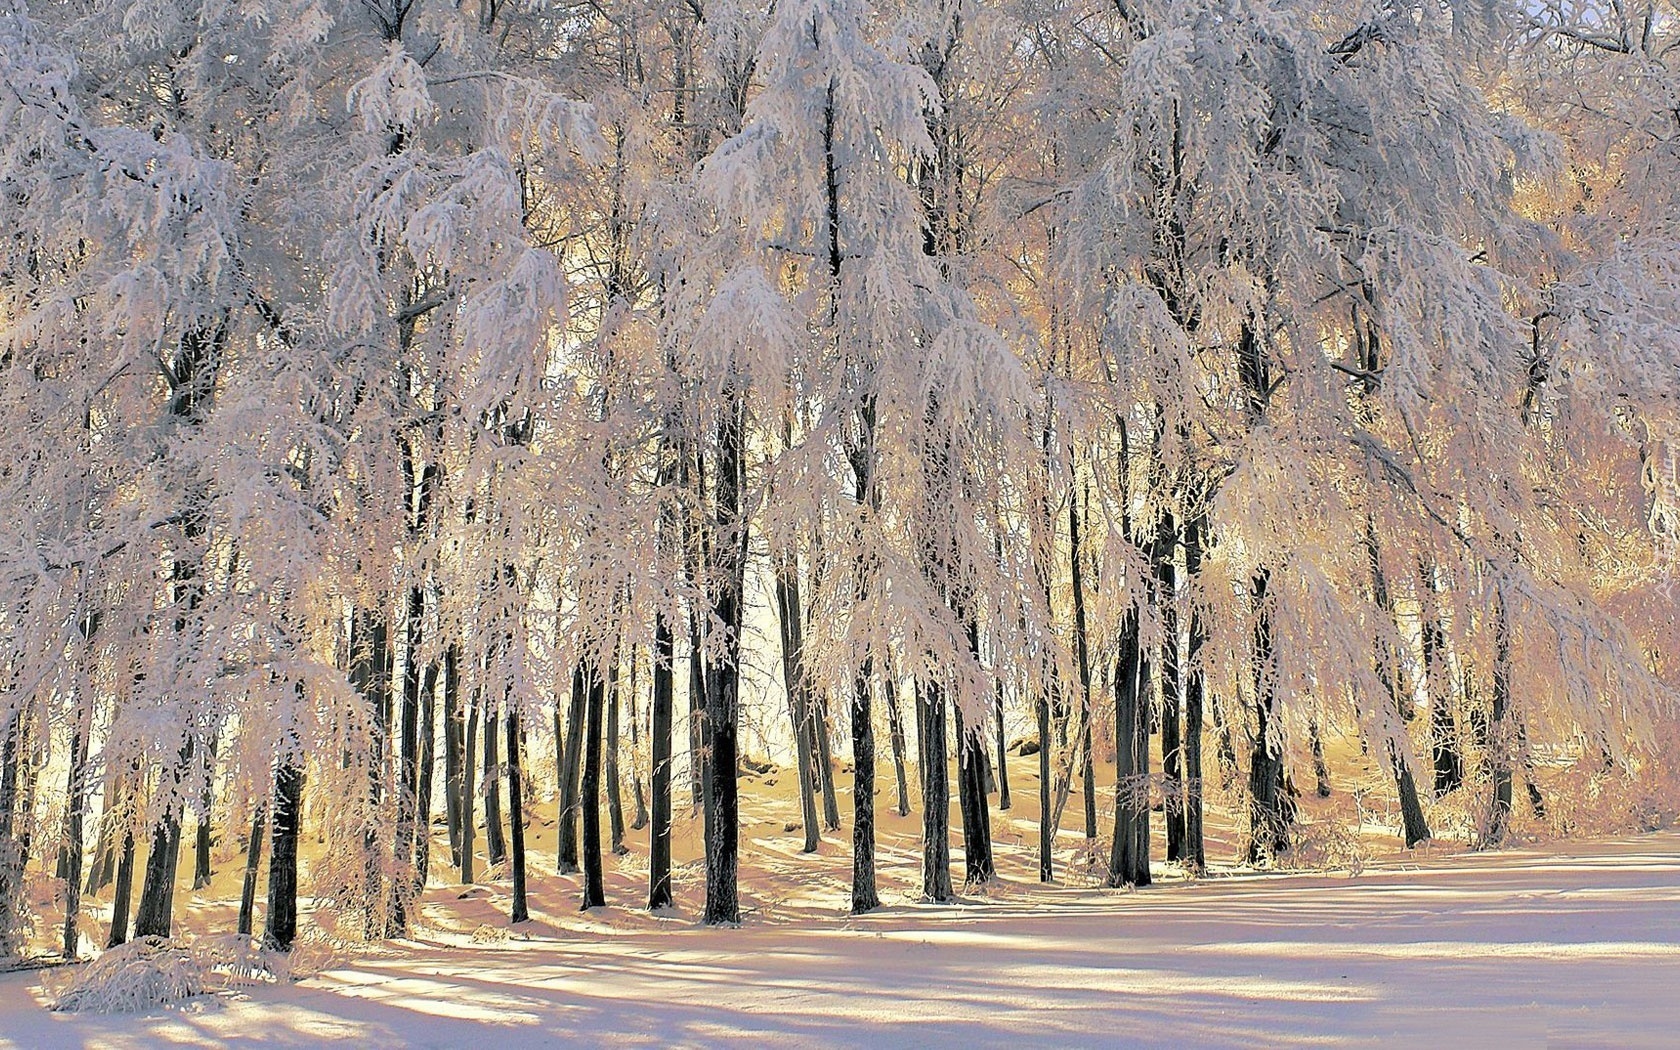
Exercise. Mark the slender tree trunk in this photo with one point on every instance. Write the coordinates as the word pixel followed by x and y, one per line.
pixel 125 888
pixel 659 851
pixel 895 727
pixel 1172 746
pixel 75 805
pixel 280 926
pixel 789 611
pixel 495 842
pixel 1321 768
pixel 979 868
pixel 428 766
pixel 723 680
pixel 1448 763
pixel 516 813
pixel 615 800
pixel 253 861
pixel 571 765
pixel 697 761
pixel 1002 746
pixel 594 895
pixel 1268 821
pixel 408 769
pixel 454 746
pixel 1046 833
pixel 1082 651
pixel 824 764
pixel 469 785
pixel 1499 730
pixel 936 794
pixel 1129 854
pixel 864 895
pixel 157 892
pixel 1414 827
pixel 1195 685
pixel 201 836
pixel 636 740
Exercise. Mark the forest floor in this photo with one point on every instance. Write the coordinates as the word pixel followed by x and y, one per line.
pixel 1561 944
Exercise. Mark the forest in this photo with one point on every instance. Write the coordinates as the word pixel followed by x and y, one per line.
pixel 437 419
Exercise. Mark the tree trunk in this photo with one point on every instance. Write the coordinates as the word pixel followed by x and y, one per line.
pixel 895 727
pixel 125 888
pixel 428 766
pixel 253 861
pixel 280 927
pixel 594 895
pixel 516 814
pixel 1414 828
pixel 936 794
pixel 971 796
pixel 615 799
pixel 636 740
pixel 824 764
pixel 1128 863
pixel 1172 746
pixel 1446 759
pixel 469 786
pixel 864 895
pixel 75 804
pixel 789 610
pixel 1268 821
pixel 1082 653
pixel 201 835
pixel 1046 833
pixel 495 842
pixel 1195 685
pixel 454 746
pixel 1499 731
pixel 723 679
pixel 659 851
pixel 1002 747
pixel 570 770
pixel 408 769
pixel 157 892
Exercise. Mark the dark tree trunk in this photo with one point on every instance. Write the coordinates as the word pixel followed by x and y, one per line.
pixel 280 927
pixel 201 836
pixel 469 787
pixel 723 678
pixel 1195 685
pixel 125 888
pixel 428 766
pixel 789 611
pixel 571 765
pixel 408 769
pixel 1046 833
pixel 1172 745
pixel 1082 652
pixel 454 746
pixel 635 715
pixel 864 895
pixel 936 794
pixel 516 814
pixel 253 862
pixel 1128 863
pixel 971 797
pixel 895 727
pixel 157 892
pixel 370 676
pixel 76 803
pixel 659 851
pixel 824 764
pixel 495 842
pixel 1443 733
pixel 1268 819
pixel 594 895
pixel 1499 731
pixel 1321 769
pixel 1002 747
pixel 615 800
pixel 697 762
pixel 1414 828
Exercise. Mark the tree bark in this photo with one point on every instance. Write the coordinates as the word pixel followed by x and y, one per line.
pixel 253 861
pixel 469 787
pixel 75 805
pixel 1002 747
pixel 594 895
pixel 936 794
pixel 516 813
pixel 570 770
pixel 789 611
pixel 978 867
pixel 1128 863
pixel 280 925
pixel 723 679
pixel 615 798
pixel 495 842
pixel 1172 745
pixel 454 746
pixel 659 851
pixel 1268 821
pixel 895 727
pixel 1195 685
pixel 428 766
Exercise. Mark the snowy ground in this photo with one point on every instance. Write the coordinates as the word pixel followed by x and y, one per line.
pixel 1574 946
